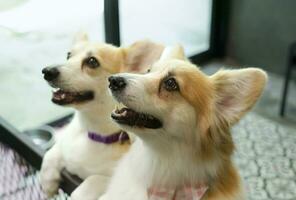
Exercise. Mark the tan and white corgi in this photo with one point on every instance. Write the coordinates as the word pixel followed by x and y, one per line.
pixel 182 118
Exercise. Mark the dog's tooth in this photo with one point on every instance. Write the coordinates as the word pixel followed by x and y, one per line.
pixel 120 105
pixel 63 96
pixel 116 113
pixel 124 113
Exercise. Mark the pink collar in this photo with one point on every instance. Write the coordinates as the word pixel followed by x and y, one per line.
pixel 188 192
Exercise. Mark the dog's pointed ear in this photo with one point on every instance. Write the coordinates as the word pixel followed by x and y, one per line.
pixel 80 37
pixel 174 52
pixel 236 92
pixel 141 55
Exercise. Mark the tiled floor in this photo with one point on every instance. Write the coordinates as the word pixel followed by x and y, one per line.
pixel 266 158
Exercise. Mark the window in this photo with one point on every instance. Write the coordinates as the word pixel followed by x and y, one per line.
pixel 35 34
pixel 168 21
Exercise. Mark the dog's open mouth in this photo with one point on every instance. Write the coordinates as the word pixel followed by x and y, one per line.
pixel 130 117
pixel 62 97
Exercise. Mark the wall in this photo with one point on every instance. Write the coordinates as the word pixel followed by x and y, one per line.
pixel 260 32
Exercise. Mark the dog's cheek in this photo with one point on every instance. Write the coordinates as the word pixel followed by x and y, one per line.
pixel 181 116
pixel 165 95
pixel 91 72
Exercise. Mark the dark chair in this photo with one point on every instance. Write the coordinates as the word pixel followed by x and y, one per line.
pixel 291 65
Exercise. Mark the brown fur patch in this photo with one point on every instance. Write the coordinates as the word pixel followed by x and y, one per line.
pixel 198 91
pixel 141 55
pixel 226 185
pixel 111 58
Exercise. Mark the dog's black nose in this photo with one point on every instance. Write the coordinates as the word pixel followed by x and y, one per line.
pixel 116 83
pixel 50 73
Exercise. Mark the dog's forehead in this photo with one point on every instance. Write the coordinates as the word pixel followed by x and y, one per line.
pixel 88 48
pixel 94 49
pixel 175 66
pixel 166 65
pixel 79 47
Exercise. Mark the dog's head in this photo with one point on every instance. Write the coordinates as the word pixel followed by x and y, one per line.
pixel 176 100
pixel 82 79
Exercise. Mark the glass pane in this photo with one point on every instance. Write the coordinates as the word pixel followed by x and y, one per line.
pixel 35 34
pixel 168 21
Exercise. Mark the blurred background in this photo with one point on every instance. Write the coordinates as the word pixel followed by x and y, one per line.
pixel 215 34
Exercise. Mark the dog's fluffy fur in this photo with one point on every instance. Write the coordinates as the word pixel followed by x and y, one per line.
pixel 73 149
pixel 194 144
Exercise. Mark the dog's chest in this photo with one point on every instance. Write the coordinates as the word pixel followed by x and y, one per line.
pixel 85 157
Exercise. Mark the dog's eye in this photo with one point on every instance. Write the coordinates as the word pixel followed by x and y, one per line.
pixel 171 84
pixel 69 55
pixel 148 70
pixel 92 62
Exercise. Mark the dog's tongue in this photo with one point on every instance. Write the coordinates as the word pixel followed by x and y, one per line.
pixel 63 97
pixel 132 118
pixel 60 94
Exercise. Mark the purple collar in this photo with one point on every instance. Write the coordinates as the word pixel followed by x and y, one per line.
pixel 120 136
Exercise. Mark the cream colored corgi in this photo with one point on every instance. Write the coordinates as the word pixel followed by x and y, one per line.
pixel 91 144
pixel 182 118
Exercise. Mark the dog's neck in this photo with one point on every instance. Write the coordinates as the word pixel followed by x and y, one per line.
pixel 171 161
pixel 96 119
pixel 173 169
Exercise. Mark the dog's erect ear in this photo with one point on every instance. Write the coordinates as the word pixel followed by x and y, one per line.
pixel 174 52
pixel 237 91
pixel 111 58
pixel 80 37
pixel 141 55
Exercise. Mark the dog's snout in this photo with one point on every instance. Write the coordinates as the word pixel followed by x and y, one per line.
pixel 50 73
pixel 116 83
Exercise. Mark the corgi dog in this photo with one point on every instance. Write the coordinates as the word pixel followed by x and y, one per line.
pixel 183 119
pixel 90 145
